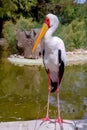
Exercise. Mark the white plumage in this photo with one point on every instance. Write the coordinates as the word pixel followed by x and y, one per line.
pixel 54 57
pixel 51 45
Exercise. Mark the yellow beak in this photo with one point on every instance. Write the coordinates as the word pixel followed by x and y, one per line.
pixel 41 35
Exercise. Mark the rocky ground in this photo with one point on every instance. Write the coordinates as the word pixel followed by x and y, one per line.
pixel 77 57
pixel 73 58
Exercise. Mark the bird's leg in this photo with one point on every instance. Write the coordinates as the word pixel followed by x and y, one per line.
pixel 59 120
pixel 49 90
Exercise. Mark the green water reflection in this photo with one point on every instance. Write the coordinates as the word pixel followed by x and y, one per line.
pixel 23 93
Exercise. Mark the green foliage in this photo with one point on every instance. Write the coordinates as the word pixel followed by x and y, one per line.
pixel 61 1
pixel 17 8
pixel 9 30
pixel 7 8
pixel 74 35
pixel 24 7
pixel 69 14
pixel 27 4
pixel 24 24
pixel 72 16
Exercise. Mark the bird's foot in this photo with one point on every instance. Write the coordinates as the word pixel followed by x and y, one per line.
pixel 59 120
pixel 44 120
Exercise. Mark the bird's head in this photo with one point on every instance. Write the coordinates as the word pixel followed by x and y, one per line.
pixel 50 21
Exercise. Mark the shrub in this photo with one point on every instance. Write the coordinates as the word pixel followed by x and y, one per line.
pixel 24 24
pixel 9 35
pixel 74 35
pixel 9 31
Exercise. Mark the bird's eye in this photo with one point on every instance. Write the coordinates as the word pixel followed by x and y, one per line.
pixel 47 21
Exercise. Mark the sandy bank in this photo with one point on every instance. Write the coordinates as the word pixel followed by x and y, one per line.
pixel 73 58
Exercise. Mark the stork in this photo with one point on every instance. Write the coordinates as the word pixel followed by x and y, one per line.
pixel 54 57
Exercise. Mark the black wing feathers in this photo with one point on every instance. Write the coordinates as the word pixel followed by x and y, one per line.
pixel 54 86
pixel 61 66
pixel 61 71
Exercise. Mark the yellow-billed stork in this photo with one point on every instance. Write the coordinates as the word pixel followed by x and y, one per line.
pixel 54 57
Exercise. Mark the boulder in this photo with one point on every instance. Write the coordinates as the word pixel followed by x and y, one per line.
pixel 25 41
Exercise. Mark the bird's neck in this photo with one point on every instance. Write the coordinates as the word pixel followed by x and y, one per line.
pixel 50 31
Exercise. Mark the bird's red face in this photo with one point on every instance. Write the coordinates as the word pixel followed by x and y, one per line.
pixel 44 29
pixel 47 21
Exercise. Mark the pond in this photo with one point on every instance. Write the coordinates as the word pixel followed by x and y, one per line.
pixel 23 93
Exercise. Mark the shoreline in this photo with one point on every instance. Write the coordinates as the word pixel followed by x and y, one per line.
pixel 72 58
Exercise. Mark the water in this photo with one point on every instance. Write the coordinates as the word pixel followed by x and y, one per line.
pixel 23 93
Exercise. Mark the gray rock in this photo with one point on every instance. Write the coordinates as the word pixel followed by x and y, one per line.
pixel 25 41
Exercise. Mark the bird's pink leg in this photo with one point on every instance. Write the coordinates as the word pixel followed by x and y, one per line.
pixel 49 89
pixel 59 120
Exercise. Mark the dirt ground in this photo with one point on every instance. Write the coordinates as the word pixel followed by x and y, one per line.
pixel 72 58
pixel 76 57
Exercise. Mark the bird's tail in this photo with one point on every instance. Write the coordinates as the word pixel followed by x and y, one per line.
pixel 54 86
